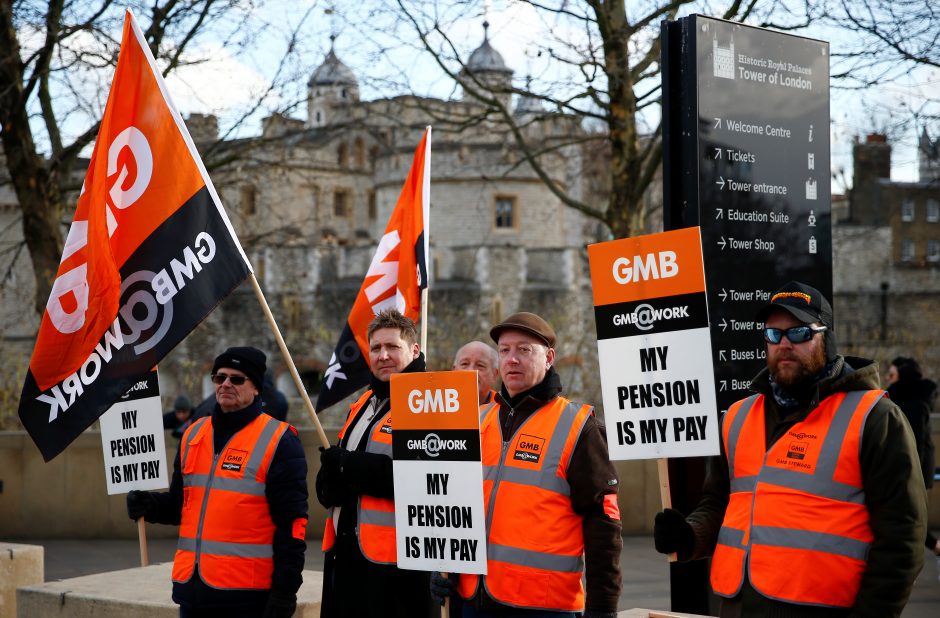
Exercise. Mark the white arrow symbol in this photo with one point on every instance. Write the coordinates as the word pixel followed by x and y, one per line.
pixel 719 212
pixel 721 355
pixel 717 153
pixel 717 123
pixel 723 295
pixel 724 386
pixel 724 325
pixel 722 243
pixel 720 181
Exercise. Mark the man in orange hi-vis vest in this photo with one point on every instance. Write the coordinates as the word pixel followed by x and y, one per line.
pixel 479 357
pixel 239 496
pixel 816 506
pixel 361 578
pixel 541 449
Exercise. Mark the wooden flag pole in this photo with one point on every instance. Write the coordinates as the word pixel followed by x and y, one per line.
pixel 424 322
pixel 662 464
pixel 290 362
pixel 142 539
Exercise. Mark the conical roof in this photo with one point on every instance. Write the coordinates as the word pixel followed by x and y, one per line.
pixel 485 58
pixel 332 73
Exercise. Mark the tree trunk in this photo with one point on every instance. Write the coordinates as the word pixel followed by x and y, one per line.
pixel 37 189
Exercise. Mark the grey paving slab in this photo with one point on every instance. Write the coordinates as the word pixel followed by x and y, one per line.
pixel 645 572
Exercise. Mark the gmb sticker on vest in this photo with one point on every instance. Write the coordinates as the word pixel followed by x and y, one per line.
pixel 801 452
pixel 529 448
pixel 386 425
pixel 233 459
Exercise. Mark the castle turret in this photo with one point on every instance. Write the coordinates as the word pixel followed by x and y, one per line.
pixel 332 86
pixel 487 67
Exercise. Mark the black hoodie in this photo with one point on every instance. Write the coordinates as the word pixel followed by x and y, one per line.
pixel 916 399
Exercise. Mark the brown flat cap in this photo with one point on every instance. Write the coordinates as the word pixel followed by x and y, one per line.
pixel 527 323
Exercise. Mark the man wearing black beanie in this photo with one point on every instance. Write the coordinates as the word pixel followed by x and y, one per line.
pixel 241 505
pixel 816 507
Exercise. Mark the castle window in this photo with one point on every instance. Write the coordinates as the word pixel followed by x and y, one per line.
pixel 933 251
pixel 933 211
pixel 373 208
pixel 907 250
pixel 342 93
pixel 247 200
pixel 505 212
pixel 359 153
pixel 907 210
pixel 373 157
pixel 319 117
pixel 342 155
pixel 341 203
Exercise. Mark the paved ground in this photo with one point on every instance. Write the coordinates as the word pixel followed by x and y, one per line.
pixel 645 573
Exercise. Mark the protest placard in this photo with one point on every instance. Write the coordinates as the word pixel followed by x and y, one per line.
pixel 654 346
pixel 439 516
pixel 132 439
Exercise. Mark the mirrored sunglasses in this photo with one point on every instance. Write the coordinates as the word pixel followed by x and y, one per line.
pixel 796 334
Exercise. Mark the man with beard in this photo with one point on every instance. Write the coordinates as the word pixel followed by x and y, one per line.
pixel 816 507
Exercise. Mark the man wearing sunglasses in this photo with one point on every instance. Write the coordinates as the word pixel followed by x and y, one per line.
pixel 816 507
pixel 239 495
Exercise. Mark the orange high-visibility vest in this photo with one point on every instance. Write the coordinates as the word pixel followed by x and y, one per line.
pixel 376 515
pixel 226 527
pixel 533 561
pixel 797 510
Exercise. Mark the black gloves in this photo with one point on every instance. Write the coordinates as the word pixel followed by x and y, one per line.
pixel 330 486
pixel 141 504
pixel 280 604
pixel 345 474
pixel 672 533
pixel 441 587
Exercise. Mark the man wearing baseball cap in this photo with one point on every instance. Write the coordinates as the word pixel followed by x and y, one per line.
pixel 816 506
pixel 239 495
pixel 554 516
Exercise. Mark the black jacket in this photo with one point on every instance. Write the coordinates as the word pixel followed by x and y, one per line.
pixel 286 492
pixel 916 399
pixel 591 476
pixel 894 495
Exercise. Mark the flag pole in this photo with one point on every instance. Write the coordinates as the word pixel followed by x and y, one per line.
pixel 290 362
pixel 424 322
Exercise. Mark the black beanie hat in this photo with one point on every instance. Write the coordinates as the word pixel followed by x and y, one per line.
pixel 248 360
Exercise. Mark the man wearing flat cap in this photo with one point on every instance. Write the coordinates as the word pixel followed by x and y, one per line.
pixel 816 506
pixel 239 495
pixel 549 488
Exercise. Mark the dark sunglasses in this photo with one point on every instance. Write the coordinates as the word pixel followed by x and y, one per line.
pixel 220 378
pixel 796 334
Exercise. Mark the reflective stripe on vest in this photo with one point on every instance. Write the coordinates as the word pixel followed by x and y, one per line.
pixel 798 509
pixel 376 516
pixel 224 499
pixel 532 562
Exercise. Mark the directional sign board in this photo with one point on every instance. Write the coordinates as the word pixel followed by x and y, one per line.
pixel 746 114
pixel 653 346
pixel 439 517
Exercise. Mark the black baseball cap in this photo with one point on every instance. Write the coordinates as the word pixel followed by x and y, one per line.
pixel 804 302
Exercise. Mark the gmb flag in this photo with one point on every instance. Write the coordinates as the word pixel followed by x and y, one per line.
pixel 149 254
pixel 397 274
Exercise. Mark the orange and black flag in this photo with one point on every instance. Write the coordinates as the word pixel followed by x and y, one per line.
pixel 149 254
pixel 395 278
